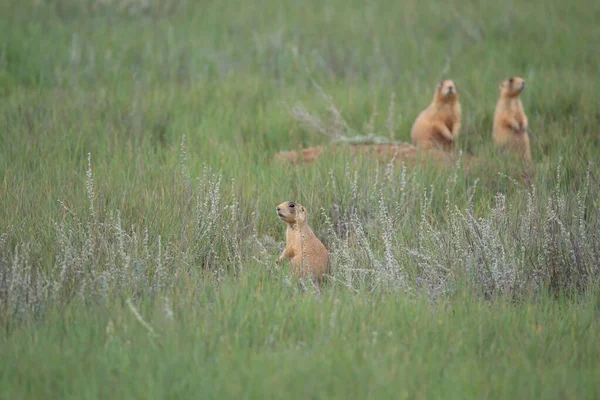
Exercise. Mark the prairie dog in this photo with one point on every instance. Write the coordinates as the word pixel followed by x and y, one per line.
pixel 510 121
pixel 438 126
pixel 307 254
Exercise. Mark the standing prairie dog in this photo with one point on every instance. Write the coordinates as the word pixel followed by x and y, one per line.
pixel 510 121
pixel 438 126
pixel 305 251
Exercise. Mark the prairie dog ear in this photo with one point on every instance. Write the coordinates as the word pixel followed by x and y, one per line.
pixel 302 209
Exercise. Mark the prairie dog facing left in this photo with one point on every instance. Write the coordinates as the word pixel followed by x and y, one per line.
pixel 307 254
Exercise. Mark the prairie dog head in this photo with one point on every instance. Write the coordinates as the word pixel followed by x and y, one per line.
pixel 512 87
pixel 446 91
pixel 291 212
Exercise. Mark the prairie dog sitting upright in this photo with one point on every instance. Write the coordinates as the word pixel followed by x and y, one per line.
pixel 438 126
pixel 510 121
pixel 307 254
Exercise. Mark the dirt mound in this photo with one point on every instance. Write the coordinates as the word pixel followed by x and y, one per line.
pixel 384 152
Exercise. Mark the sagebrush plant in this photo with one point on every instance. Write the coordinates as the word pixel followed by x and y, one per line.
pixel 550 243
pixel 97 257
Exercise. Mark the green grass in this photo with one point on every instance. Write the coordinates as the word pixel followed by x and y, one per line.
pixel 453 284
pixel 253 339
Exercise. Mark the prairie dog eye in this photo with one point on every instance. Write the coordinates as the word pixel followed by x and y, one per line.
pixel 511 80
pixel 292 205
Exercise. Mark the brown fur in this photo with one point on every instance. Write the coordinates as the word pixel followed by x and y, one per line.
pixel 510 121
pixel 306 252
pixel 438 126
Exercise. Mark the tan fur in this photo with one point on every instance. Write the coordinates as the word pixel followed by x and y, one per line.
pixel 510 121
pixel 438 126
pixel 306 252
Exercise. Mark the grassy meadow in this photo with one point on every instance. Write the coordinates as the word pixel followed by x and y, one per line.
pixel 138 233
